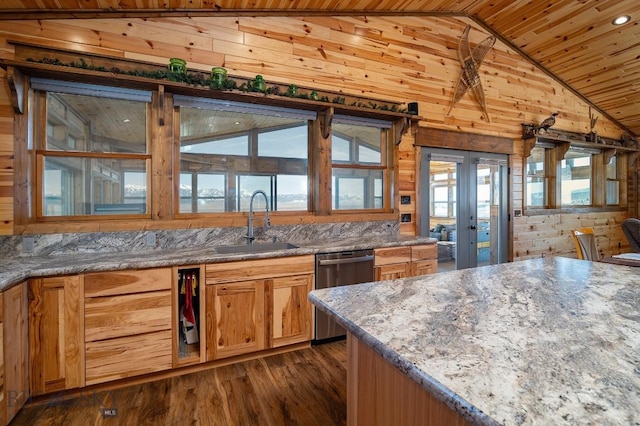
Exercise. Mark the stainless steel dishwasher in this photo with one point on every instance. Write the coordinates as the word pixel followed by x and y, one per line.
pixel 338 269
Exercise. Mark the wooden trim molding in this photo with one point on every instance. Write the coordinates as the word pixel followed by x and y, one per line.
pixel 438 138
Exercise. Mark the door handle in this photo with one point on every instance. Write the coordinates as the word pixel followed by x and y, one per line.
pixel 472 227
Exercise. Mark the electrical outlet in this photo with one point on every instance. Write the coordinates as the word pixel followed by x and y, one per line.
pixel 151 239
pixel 28 244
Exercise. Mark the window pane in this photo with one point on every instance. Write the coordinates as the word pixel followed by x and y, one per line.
pixel 234 145
pixel 576 179
pixel 613 191
pixel 247 185
pixel 536 178
pixel 441 193
pixel 239 149
pixel 612 169
pixel 86 186
pixel 368 155
pixel 356 144
pixel 292 192
pixel 340 149
pixel 135 187
pixel 95 124
pixel 209 190
pixel 289 142
pixel 356 189
pixel 535 191
pixel 186 192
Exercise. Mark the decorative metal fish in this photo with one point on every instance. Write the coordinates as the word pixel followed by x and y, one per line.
pixel 470 61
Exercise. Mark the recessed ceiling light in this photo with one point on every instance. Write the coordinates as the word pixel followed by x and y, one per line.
pixel 621 20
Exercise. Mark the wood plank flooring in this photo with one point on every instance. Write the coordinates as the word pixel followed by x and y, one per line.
pixel 305 387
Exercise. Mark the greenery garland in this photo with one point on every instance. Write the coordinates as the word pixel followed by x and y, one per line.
pixel 199 79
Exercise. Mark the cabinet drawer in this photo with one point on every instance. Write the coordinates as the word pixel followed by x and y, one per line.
pixel 226 272
pixel 424 267
pixel 125 315
pixel 392 271
pixel 386 256
pixel 114 359
pixel 123 282
pixel 424 252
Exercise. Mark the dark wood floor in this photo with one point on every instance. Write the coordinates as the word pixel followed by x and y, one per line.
pixel 305 387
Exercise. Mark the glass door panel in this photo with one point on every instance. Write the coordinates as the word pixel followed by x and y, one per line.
pixel 489 197
pixel 443 193
pixel 466 207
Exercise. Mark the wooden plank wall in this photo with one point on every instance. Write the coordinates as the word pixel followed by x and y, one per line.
pixel 400 58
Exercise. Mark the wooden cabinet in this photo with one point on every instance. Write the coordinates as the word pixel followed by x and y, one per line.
pixel 189 339
pixel 401 262
pixel 56 334
pixel 127 323
pixel 424 259
pixel 289 311
pixel 235 318
pixel 257 304
pixel 392 263
pixel 14 359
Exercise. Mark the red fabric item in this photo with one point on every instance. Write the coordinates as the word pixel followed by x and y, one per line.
pixel 187 309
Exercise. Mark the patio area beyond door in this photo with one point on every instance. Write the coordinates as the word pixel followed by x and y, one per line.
pixel 464 205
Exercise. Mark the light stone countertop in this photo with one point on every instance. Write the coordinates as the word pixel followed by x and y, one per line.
pixel 553 341
pixel 14 270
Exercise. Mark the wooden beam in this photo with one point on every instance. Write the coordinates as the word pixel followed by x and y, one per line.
pixel 465 141
pixel 16 81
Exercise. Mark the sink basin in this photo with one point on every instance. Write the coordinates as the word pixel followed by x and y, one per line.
pixel 254 248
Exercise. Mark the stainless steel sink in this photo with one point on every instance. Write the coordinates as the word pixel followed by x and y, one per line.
pixel 254 248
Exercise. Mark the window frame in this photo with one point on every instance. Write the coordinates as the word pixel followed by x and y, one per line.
pixel 353 165
pixel 555 152
pixel 41 152
pixel 161 168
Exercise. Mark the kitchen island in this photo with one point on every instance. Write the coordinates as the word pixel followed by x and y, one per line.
pixel 544 341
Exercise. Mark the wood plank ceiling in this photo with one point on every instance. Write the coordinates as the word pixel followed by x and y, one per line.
pixel 573 40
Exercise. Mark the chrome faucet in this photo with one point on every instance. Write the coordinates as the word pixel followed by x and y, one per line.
pixel 249 235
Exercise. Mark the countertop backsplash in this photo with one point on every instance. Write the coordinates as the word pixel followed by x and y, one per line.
pixel 115 242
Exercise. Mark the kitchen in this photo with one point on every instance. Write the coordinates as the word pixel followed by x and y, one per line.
pixel 310 57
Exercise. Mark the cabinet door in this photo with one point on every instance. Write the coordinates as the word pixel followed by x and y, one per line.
pixel 288 310
pixel 235 318
pixel 424 267
pixel 16 356
pixel 56 334
pixel 392 271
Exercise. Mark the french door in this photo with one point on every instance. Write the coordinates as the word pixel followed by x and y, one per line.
pixel 464 205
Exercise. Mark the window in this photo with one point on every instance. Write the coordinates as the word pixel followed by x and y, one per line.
pixel 98 148
pixel 575 178
pixel 93 150
pixel 614 182
pixel 536 177
pixel 575 175
pixel 229 150
pixel 443 191
pixel 358 163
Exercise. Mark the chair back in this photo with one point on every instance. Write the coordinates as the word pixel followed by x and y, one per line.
pixel 631 229
pixel 585 243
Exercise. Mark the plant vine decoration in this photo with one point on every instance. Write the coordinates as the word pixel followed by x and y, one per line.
pixel 201 79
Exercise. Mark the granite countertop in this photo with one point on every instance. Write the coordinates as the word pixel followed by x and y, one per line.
pixel 551 341
pixel 17 269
